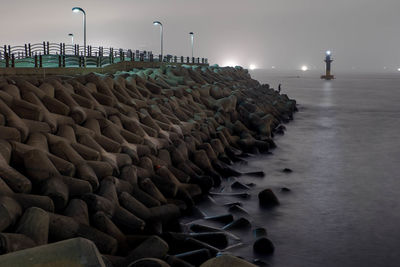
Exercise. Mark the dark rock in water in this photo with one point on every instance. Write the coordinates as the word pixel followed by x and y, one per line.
pixel 239 185
pixel 250 184
pixel 241 195
pixel 259 262
pixel 287 170
pixel 149 262
pixel 227 260
pixel 239 223
pixel 176 262
pixel 205 182
pixel 225 218
pixel 195 257
pixel 237 208
pixel 280 129
pixel 259 232
pixel 199 228
pixel 238 203
pixel 256 174
pixel 285 189
pixel 268 198
pixel 263 246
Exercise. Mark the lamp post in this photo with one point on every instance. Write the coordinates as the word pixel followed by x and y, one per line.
pixel 72 38
pixel 191 40
pixel 77 10
pixel 161 35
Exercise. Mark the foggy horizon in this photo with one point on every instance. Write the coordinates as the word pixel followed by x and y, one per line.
pixel 362 34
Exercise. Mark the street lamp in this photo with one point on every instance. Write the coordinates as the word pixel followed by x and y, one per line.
pixel 77 10
pixel 72 38
pixel 161 34
pixel 191 40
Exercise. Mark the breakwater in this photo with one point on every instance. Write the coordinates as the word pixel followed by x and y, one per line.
pixel 118 158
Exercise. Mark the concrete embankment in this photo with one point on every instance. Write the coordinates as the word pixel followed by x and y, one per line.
pixel 117 159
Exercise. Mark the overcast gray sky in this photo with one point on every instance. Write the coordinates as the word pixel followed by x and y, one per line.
pixel 362 34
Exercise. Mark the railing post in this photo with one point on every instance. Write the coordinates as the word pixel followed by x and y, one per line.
pixel 182 59
pixel 159 58
pixel 6 56
pixel 30 51
pixel 44 48
pixel 12 60
pixel 187 60
pixel 48 48
pixel 26 50
pixel 63 61
pixel 36 61
pixel 59 61
pixel 40 61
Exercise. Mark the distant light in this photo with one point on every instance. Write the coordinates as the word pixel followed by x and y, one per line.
pixel 398 69
pixel 230 63
pixel 252 67
pixel 304 68
pixel 328 53
pixel 273 67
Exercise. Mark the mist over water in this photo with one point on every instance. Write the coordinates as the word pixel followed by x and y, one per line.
pixel 344 149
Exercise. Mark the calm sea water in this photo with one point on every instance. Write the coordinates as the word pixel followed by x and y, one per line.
pixel 344 149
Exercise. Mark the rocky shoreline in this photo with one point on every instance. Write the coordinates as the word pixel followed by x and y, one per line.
pixel 117 159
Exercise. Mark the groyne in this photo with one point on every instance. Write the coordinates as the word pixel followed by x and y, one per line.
pixel 117 158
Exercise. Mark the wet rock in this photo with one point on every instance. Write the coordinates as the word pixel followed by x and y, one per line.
pixel 263 246
pixel 285 190
pixel 267 198
pixel 238 224
pixel 239 185
pixel 260 232
pixel 227 261
pixel 225 218
pixel 287 170
pixel 149 262
pixel 195 257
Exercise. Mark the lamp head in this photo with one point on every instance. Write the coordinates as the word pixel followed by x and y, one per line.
pixel 157 23
pixel 77 10
pixel 70 34
pixel 328 53
pixel 191 33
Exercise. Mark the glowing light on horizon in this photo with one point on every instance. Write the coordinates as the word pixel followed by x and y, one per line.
pixel 398 69
pixel 304 68
pixel 252 67
pixel 230 63
pixel 273 67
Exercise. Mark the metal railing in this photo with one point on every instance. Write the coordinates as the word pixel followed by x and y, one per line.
pixel 61 55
